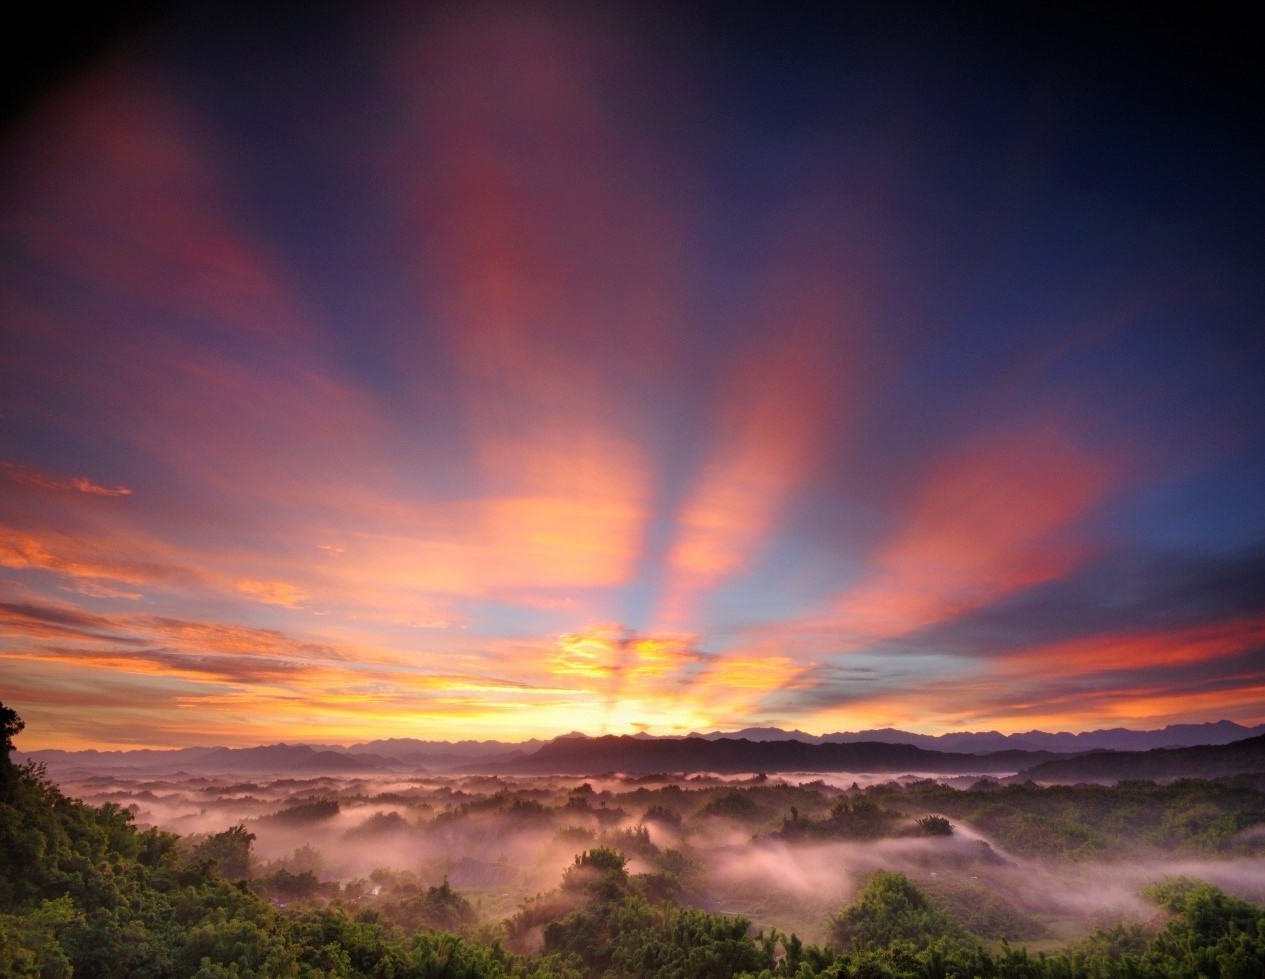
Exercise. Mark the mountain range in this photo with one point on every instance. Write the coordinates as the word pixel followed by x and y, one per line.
pixel 595 756
pixel 1198 761
pixel 975 742
pixel 751 749
pixel 574 755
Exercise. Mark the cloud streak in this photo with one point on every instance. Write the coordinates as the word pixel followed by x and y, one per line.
pixel 29 477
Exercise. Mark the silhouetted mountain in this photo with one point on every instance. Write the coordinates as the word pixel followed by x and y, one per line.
pixel 591 756
pixel 1201 761
pixel 411 748
pixel 279 759
pixel 411 754
pixel 395 755
pixel 137 759
pixel 1116 739
pixel 766 734
pixel 1123 739
pixel 287 758
pixel 414 753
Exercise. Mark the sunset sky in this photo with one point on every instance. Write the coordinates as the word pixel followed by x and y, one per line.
pixel 496 371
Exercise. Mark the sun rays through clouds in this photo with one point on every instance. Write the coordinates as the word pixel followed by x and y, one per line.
pixel 502 372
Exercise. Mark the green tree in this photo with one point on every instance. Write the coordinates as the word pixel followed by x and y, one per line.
pixel 10 727
pixel 890 908
pixel 229 851
pixel 935 826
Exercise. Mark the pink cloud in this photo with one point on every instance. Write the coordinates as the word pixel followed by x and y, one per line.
pixel 30 477
pixel 985 520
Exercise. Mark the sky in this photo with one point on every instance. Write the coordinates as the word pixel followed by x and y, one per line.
pixel 503 370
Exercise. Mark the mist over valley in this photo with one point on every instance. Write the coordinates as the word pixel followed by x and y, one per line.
pixel 786 850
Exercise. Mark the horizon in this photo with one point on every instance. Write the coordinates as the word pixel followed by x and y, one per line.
pixel 246 745
pixel 477 372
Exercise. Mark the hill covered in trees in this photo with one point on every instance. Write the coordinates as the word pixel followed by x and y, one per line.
pixel 1198 761
pixel 85 892
pixel 981 742
pixel 582 755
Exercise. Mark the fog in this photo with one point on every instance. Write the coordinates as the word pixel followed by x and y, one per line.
pixel 722 841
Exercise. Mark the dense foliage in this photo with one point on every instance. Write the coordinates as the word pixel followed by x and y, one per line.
pixel 85 893
pixel 857 817
pixel 1208 816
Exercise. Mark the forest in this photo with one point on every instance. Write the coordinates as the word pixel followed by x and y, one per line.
pixel 627 876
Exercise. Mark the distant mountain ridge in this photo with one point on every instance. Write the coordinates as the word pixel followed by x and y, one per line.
pixel 630 754
pixel 407 747
pixel 270 758
pixel 404 756
pixel 963 751
pixel 1196 761
pixel 971 742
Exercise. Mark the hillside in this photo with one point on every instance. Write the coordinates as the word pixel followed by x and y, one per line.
pixel 1202 761
pixel 589 756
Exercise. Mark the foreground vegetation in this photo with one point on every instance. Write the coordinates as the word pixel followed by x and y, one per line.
pixel 84 892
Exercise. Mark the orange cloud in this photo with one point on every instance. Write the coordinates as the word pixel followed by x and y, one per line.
pixel 1121 704
pixel 1147 678
pixel 36 622
pixel 770 415
pixel 1104 653
pixel 274 593
pixel 94 589
pixel 75 558
pixel 579 518
pixel 25 475
pixel 733 686
pixel 227 638
pixel 587 655
pixel 318 702
pixel 639 662
pixel 576 528
pixel 663 682
pixel 530 277
pixel 768 418
pixel 32 621
pixel 621 680
pixel 1246 701
pixel 985 521
pixel 271 679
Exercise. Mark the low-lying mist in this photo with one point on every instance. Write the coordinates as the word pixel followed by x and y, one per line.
pixel 1019 862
